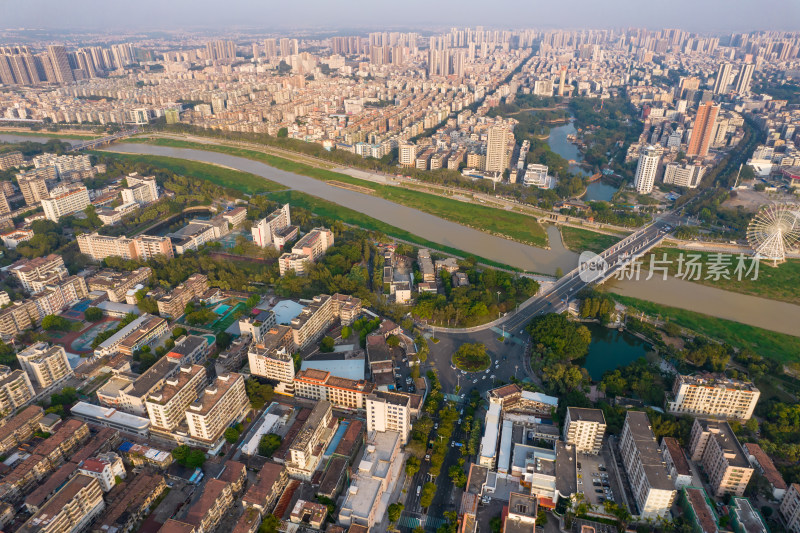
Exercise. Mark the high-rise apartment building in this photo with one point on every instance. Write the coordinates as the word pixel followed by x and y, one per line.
pixel 714 445
pixel 15 390
pixel 33 186
pixel 272 363
pixel 498 154
pixel 713 395
pixel 45 365
pixel 652 487
pixel 389 411
pixel 646 170
pixel 744 78
pixel 141 189
pixel 585 428
pixel 60 61
pixel 307 250
pixel 267 229
pixel 723 78
pixel 407 155
pixel 36 274
pixel 313 321
pixel 166 408
pixel 221 404
pixel 703 130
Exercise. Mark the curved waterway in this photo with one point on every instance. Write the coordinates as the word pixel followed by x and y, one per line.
pixel 775 316
pixel 412 220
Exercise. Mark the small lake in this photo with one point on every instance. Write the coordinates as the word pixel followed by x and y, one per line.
pixel 599 192
pixel 559 143
pixel 611 349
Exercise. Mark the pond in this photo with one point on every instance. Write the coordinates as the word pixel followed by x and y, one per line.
pixel 612 349
pixel 598 191
pixel 558 143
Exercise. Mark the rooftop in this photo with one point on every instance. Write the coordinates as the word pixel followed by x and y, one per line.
pixel 260 490
pixel 676 453
pixel 211 491
pixel 214 393
pixel 723 434
pixel 702 510
pixel 586 415
pixel 649 455
pixel 767 466
pixel 56 504
pixel 136 423
pixel 566 469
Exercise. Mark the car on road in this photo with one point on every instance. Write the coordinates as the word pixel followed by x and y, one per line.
pixel 483 376
pixel 419 489
pixel 462 397
pixel 427 457
pixel 492 376
pixel 474 381
pixel 436 425
pixel 487 370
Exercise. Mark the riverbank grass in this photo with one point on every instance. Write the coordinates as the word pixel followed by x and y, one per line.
pixel 774 283
pixel 580 240
pixel 776 346
pixel 218 175
pixel 514 225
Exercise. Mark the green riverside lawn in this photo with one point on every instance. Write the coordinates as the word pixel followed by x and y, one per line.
pixel 579 240
pixel 777 346
pixel 774 283
pixel 514 225
pixel 218 175
pixel 53 134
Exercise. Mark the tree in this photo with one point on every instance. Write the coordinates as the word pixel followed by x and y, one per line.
pixel 93 314
pixel 428 492
pixel 346 332
pixel 223 340
pixel 412 466
pixel 472 357
pixel 268 444
pixel 270 524
pixel 327 344
pixel 394 512
pixel 393 341
pixel 496 524
pixel 231 435
pixel 283 132
pixel 555 335
pixel 53 322
pixel 258 393
pixel 189 457
pixel 178 332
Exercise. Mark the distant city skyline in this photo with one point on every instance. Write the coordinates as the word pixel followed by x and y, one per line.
pixel 692 15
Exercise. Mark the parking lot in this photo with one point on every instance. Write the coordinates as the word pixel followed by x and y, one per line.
pixel 596 478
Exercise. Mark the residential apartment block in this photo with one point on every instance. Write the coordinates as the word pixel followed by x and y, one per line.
pixel 585 429
pixel 117 284
pixel 36 274
pixel 221 404
pixel 19 428
pixel 173 304
pixel 307 250
pixel 653 489
pixel 142 247
pixel 15 390
pixel 676 463
pixel 65 200
pixel 790 508
pixel 714 396
pixel 347 308
pixel 342 392
pixel 141 189
pixel 389 411
pixel 272 230
pixel 313 321
pixel 264 493
pixel 714 445
pixel 129 392
pixel 141 331
pixel 305 453
pixel 166 407
pixel 72 508
pixel 46 365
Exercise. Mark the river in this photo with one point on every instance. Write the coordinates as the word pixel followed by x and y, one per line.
pixel 14 138
pixel 759 312
pixel 417 222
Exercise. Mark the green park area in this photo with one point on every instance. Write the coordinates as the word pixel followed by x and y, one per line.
pixel 579 240
pixel 774 283
pixel 515 225
pixel 776 346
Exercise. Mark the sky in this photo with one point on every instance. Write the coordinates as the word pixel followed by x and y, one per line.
pixel 713 16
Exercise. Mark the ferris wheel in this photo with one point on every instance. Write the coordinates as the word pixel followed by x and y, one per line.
pixel 774 230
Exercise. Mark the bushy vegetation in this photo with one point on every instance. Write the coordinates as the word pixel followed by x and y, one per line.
pixel 268 444
pixel 472 357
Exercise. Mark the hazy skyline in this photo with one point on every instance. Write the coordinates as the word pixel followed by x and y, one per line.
pixel 692 15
